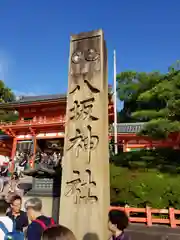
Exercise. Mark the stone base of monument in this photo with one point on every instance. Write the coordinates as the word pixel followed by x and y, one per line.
pixel 46 185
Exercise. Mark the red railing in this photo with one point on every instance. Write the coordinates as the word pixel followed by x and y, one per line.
pixel 170 215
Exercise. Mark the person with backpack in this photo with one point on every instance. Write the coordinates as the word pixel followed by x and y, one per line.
pixel 39 222
pixel 7 227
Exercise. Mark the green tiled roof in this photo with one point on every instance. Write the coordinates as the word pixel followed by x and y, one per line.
pixel 26 99
pixel 129 127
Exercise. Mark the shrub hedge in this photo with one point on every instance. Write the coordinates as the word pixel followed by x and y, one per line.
pixel 146 178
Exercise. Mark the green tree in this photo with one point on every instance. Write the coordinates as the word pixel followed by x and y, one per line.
pixel 6 96
pixel 130 85
pixel 165 119
pixel 153 98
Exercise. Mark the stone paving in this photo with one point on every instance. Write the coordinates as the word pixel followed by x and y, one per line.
pixel 141 232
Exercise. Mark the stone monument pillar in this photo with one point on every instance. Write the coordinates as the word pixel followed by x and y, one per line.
pixel 85 193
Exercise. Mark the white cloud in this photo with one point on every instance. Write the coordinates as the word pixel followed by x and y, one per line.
pixel 20 94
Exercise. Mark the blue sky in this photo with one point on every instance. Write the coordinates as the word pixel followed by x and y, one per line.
pixel 34 40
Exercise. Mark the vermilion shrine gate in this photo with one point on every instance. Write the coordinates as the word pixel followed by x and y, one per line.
pixel 43 117
pixel 40 117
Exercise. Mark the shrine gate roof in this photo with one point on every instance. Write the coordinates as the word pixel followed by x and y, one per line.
pixel 27 99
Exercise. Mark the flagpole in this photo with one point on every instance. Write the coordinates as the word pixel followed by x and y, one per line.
pixel 115 107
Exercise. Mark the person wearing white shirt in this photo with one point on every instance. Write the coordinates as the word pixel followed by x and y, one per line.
pixel 8 223
pixel 6 160
pixel 1 160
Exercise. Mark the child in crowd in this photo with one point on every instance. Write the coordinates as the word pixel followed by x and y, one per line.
pixel 118 222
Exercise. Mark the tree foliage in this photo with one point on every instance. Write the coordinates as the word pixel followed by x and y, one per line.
pixel 6 96
pixel 153 98
pixel 130 86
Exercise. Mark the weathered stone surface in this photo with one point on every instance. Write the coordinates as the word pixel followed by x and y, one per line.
pixel 85 194
pixel 46 185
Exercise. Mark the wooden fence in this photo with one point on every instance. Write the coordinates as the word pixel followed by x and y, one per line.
pixel 152 216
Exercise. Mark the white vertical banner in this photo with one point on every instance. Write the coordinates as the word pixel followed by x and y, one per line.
pixel 115 107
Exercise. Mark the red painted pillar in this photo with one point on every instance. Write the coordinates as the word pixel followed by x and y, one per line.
pixel 148 216
pixel 124 146
pixel 172 218
pixel 13 154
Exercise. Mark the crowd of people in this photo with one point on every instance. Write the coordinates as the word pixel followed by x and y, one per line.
pixel 23 158
pixel 52 159
pixel 22 161
pixel 31 224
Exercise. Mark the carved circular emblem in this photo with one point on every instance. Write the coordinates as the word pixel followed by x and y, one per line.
pixel 91 55
pixel 77 57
